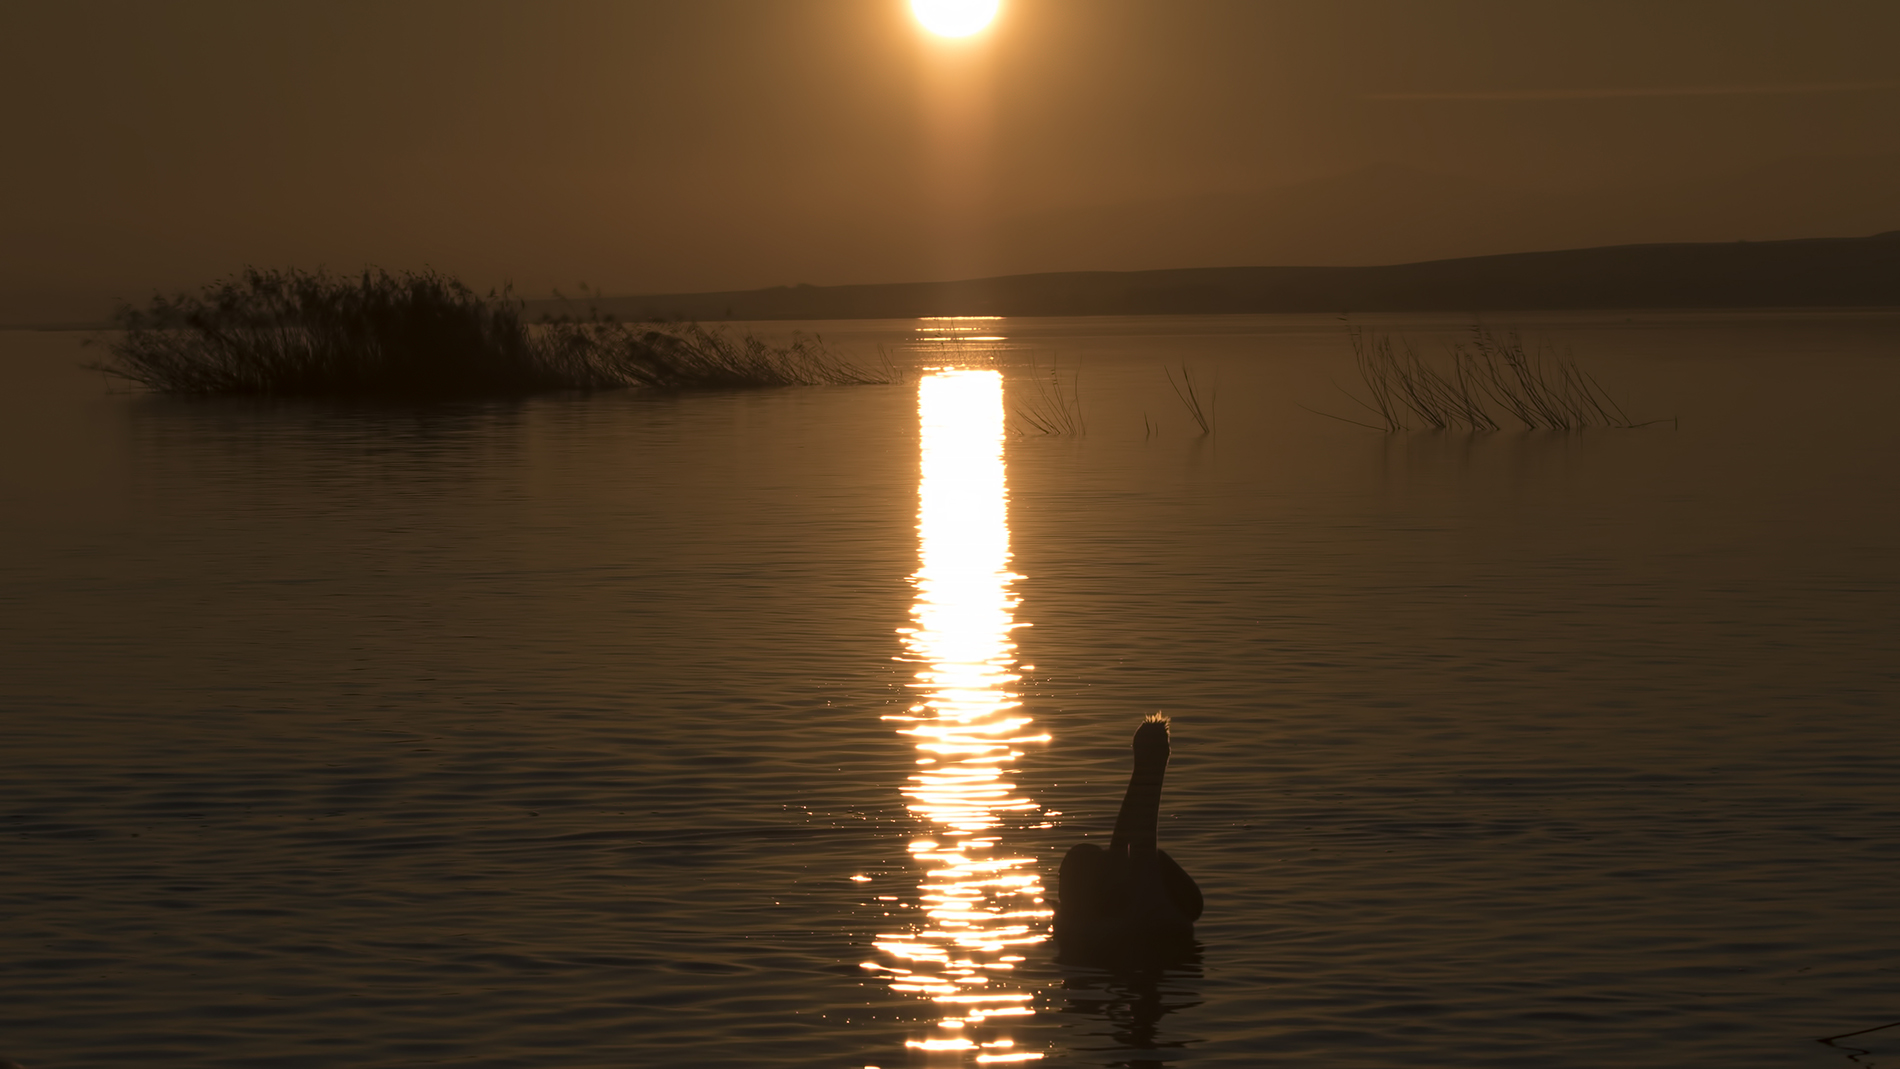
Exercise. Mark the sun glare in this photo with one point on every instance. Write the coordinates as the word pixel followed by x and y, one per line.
pixel 954 18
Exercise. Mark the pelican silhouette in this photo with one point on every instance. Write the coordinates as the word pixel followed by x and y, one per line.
pixel 1131 894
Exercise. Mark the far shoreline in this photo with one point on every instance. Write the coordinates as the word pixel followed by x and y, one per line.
pixel 1462 317
pixel 1807 273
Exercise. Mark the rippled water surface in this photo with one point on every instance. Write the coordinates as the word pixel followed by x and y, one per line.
pixel 748 729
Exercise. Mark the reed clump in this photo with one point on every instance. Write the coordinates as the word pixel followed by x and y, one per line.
pixel 1485 381
pixel 425 334
pixel 1049 406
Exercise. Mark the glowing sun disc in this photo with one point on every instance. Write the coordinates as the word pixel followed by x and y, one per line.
pixel 954 18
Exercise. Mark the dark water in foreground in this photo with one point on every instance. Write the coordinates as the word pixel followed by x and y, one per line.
pixel 584 732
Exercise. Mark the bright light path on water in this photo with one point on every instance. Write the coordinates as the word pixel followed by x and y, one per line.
pixel 979 904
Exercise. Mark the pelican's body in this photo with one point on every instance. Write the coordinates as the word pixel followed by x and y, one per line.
pixel 1131 893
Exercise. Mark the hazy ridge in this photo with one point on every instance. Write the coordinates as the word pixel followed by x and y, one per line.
pixel 1392 214
pixel 1811 272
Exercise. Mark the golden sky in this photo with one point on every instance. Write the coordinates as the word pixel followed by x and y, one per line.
pixel 679 146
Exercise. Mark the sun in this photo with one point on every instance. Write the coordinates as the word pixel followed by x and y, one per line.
pixel 954 18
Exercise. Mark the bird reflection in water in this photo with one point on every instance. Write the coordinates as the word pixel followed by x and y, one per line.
pixel 1131 1001
pixel 980 902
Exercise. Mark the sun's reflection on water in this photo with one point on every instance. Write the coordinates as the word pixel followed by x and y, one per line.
pixel 981 903
pixel 960 334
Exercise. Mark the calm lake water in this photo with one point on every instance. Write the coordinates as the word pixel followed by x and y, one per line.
pixel 748 729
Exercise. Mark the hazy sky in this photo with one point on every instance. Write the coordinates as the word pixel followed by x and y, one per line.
pixel 700 144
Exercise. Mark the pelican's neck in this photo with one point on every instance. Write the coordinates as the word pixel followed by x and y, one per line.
pixel 1135 827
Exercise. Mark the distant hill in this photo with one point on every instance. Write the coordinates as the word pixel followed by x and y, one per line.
pixel 1812 272
pixel 1389 214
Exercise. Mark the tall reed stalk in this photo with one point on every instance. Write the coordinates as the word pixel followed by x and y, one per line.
pixel 1202 414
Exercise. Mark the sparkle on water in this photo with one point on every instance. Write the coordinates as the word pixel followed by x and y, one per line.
pixel 981 903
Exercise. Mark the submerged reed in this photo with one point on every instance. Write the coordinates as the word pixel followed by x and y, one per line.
pixel 1484 378
pixel 425 334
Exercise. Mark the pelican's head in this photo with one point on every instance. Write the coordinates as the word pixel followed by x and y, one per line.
pixel 1151 740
